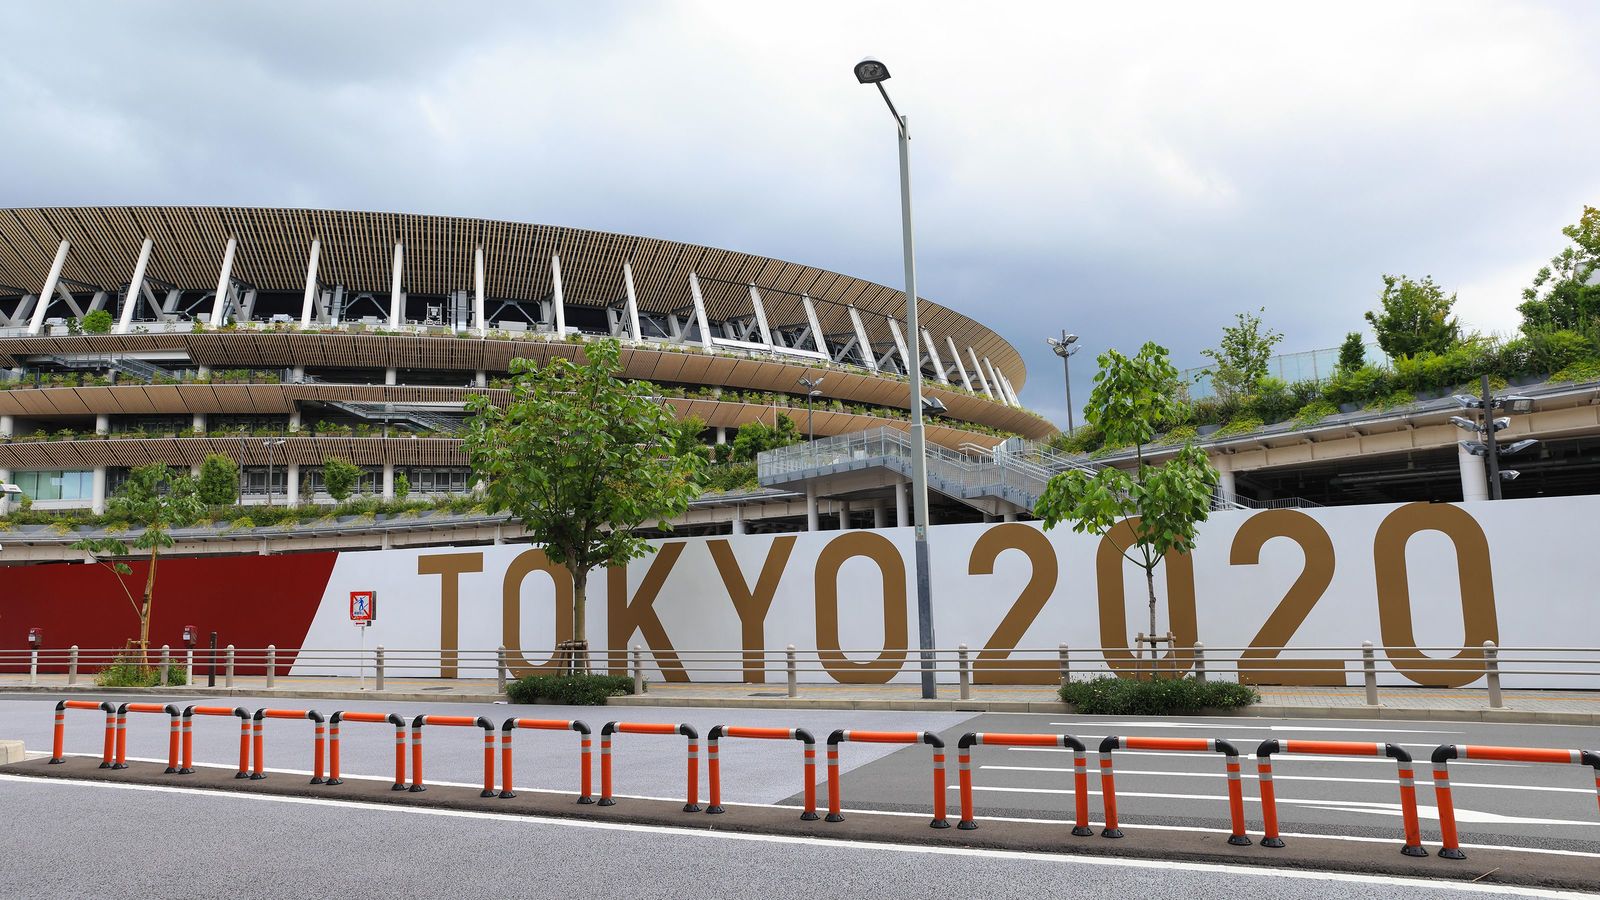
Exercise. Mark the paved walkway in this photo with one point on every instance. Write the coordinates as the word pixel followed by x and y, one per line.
pixel 1464 704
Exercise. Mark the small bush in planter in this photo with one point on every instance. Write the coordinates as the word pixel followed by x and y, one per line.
pixel 1112 696
pixel 569 690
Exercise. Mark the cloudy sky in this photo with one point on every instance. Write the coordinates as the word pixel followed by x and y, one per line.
pixel 1126 171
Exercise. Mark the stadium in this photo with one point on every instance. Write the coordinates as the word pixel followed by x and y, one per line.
pixel 284 337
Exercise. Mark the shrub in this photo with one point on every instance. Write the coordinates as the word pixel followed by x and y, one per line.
pixel 402 486
pixel 1552 351
pixel 1359 386
pixel 1109 695
pixel 569 690
pixel 1314 412
pixel 339 476
pixel 1241 425
pixel 127 670
pixel 1585 370
pixel 219 480
pixel 1271 401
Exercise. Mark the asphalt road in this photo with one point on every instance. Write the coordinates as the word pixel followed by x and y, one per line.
pixel 152 842
pixel 282 846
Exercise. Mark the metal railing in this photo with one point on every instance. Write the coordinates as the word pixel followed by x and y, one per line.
pixel 1369 666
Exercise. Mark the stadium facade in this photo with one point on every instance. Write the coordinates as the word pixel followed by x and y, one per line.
pixel 284 337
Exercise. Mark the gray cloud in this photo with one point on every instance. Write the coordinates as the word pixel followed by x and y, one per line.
pixel 1127 174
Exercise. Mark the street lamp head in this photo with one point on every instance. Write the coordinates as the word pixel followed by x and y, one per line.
pixel 933 406
pixel 1468 401
pixel 870 71
pixel 1517 405
pixel 1517 446
pixel 1461 422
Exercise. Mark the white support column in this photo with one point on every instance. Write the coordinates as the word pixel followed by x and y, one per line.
pixel 390 375
pixel 721 435
pixel 738 520
pixel 8 426
pixel 811 508
pixel 560 302
pixel 98 501
pixel 220 306
pixel 198 426
pixel 1009 517
pixel 844 515
pixel 397 302
pixel 1011 392
pixel 477 292
pixel 861 340
pixel 900 344
pixel 5 499
pixel 294 419
pixel 977 368
pixel 49 290
pixel 1474 476
pixel 388 481
pixel 308 305
pixel 994 379
pixel 1225 484
pixel 633 302
pixel 135 287
pixel 902 504
pixel 821 342
pixel 102 424
pixel 961 368
pixel 480 378
pixel 761 315
pixel 291 483
pixel 700 311
pixel 933 356
pixel 880 515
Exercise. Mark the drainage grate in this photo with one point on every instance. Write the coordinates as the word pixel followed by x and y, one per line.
pixel 770 694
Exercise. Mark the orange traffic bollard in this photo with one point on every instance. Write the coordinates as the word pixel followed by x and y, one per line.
pixel 260 739
pixel 1269 796
pixel 1451 845
pixel 464 721
pixel 244 736
pixel 376 719
pixel 887 737
pixel 692 801
pixel 1080 771
pixel 58 746
pixel 714 763
pixel 169 710
pixel 1108 787
pixel 545 725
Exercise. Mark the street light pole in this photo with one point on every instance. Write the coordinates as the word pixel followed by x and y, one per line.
pixel 1492 453
pixel 268 445
pixel 810 384
pixel 1064 348
pixel 871 71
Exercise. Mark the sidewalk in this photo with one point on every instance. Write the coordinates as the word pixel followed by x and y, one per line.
pixel 1460 705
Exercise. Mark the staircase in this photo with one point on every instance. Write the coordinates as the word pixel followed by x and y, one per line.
pixel 424 417
pixel 136 368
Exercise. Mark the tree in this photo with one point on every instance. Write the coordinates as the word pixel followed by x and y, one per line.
pixel 1352 353
pixel 1242 357
pixel 1414 317
pixel 98 321
pixel 756 437
pixel 158 500
pixel 1160 506
pixel 339 476
pixel 583 459
pixel 219 480
pixel 402 486
pixel 1571 288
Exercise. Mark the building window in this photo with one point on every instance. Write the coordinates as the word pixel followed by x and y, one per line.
pixel 56 485
pixel 436 479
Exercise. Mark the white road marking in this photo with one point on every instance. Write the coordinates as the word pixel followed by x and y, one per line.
pixel 1108 862
pixel 1423 811
pixel 1278 776
pixel 1365 760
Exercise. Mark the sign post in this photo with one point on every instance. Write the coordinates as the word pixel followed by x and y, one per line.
pixel 363 612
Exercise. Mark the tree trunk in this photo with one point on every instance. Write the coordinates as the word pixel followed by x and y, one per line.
pixel 144 612
pixel 580 596
pixel 1150 584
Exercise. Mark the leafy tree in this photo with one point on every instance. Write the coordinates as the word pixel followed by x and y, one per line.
pixel 340 476
pixel 1352 353
pixel 583 459
pixel 686 438
pixel 1414 317
pixel 1161 505
pixel 156 499
pixel 402 486
pixel 219 480
pixel 1566 293
pixel 96 322
pixel 756 437
pixel 1240 361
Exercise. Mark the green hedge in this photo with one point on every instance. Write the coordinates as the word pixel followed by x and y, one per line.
pixel 569 690
pixel 126 672
pixel 1112 696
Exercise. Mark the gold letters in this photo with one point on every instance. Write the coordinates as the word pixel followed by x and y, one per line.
pixel 993 665
pixel 450 567
pixel 526 563
pixel 1113 611
pixel 882 551
pixel 752 603
pixel 623 616
pixel 1394 593
pixel 1260 664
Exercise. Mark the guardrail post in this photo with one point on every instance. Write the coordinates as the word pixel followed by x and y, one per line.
pixel 500 671
pixel 1491 668
pixel 72 665
pixel 228 668
pixel 377 682
pixel 1369 672
pixel 638 670
pixel 272 664
pixel 1199 661
pixel 794 675
pixel 188 666
pixel 966 672
pixel 166 660
pixel 33 666
pixel 1066 665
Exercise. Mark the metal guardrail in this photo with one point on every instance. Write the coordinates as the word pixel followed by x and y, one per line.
pixel 1369 666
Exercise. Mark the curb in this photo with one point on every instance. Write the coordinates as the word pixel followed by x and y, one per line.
pixel 1490 716
pixel 12 751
